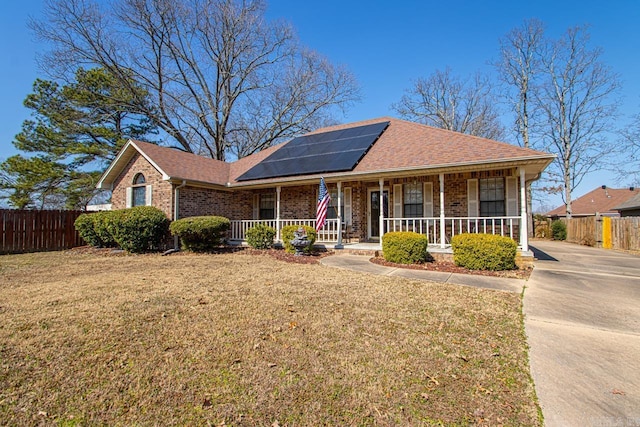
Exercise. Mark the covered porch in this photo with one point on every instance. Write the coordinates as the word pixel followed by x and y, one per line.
pixel 438 206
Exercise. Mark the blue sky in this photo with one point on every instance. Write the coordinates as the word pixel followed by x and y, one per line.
pixel 385 44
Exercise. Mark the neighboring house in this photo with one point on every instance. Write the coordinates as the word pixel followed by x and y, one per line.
pixel 383 175
pixel 601 201
pixel 631 207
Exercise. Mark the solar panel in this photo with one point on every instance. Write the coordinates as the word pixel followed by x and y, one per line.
pixel 334 151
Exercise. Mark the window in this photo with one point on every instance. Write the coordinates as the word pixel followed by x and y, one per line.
pixel 332 210
pixel 267 206
pixel 139 192
pixel 413 201
pixel 492 199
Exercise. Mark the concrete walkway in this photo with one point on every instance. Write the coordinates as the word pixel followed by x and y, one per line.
pixel 361 263
pixel 582 319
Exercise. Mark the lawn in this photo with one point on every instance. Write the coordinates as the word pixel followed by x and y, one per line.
pixel 238 339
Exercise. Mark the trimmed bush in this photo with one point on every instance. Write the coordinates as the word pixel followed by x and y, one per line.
pixel 405 247
pixel 201 233
pixel 84 225
pixel 559 230
pixel 105 224
pixel 287 237
pixel 261 236
pixel 484 252
pixel 138 229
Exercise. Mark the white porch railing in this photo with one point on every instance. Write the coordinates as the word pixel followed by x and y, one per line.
pixel 329 232
pixel 501 225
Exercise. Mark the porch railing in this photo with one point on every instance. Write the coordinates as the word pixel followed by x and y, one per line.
pixel 501 225
pixel 329 232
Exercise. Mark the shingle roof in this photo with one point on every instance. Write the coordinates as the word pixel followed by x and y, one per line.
pixel 632 203
pixel 601 200
pixel 402 146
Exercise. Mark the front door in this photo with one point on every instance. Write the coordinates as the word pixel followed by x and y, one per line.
pixel 374 211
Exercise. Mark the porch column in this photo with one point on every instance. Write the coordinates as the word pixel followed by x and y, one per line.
pixel 524 238
pixel 381 202
pixel 278 188
pixel 339 244
pixel 443 228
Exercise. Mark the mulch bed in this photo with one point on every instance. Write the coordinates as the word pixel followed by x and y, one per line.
pixel 449 267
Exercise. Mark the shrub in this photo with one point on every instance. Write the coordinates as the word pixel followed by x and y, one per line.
pixel 405 247
pixel 484 252
pixel 84 225
pixel 105 224
pixel 559 230
pixel 261 236
pixel 138 229
pixel 201 233
pixel 287 237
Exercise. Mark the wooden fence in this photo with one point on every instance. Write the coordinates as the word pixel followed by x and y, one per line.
pixel 35 231
pixel 615 233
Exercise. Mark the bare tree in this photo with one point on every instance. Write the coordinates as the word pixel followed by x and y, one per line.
pixel 449 102
pixel 223 79
pixel 577 101
pixel 518 68
pixel 630 146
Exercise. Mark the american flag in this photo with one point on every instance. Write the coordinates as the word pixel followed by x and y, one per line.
pixel 323 204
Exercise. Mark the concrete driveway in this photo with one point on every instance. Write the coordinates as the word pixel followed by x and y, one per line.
pixel 582 319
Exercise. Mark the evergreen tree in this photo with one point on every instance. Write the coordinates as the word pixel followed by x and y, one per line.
pixel 76 130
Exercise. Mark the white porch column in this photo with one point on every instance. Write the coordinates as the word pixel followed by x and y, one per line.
pixel 381 203
pixel 339 244
pixel 443 228
pixel 278 189
pixel 524 238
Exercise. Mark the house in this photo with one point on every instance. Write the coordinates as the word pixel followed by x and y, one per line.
pixel 600 201
pixel 631 207
pixel 383 175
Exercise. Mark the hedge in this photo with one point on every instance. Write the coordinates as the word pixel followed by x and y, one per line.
pixel 559 230
pixel 201 233
pixel 260 236
pixel 287 236
pixel 138 229
pixel 484 252
pixel 405 247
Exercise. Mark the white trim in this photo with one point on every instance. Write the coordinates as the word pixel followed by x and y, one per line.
pixel 472 198
pixel 427 199
pixel 511 196
pixel 397 200
pixel 347 206
pixel 128 197
pixel 148 195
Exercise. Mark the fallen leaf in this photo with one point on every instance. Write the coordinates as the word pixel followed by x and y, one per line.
pixel 620 392
pixel 272 365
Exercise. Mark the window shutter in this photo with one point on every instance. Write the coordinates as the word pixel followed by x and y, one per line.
pixel 347 205
pixel 147 198
pixel 472 197
pixel 397 200
pixel 512 196
pixel 256 206
pixel 427 198
pixel 129 197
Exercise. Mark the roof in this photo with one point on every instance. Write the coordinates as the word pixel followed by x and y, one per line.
pixel 600 200
pixel 632 203
pixel 403 147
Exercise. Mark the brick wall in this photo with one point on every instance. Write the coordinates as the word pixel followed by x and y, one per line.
pixel 194 201
pixel 161 190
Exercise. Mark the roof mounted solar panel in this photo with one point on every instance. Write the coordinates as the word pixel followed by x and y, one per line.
pixel 333 151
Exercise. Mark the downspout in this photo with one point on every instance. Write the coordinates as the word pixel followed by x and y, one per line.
pixel 176 242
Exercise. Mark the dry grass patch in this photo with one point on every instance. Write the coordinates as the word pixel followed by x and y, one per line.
pixel 241 339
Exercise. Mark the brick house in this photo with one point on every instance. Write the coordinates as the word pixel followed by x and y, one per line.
pixel 400 176
pixel 603 201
